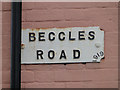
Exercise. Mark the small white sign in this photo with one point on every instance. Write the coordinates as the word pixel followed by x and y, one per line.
pixel 62 45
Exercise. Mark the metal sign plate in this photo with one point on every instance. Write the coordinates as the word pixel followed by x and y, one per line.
pixel 62 45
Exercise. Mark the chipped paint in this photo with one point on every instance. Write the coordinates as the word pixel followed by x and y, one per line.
pixel 34 43
pixel 37 29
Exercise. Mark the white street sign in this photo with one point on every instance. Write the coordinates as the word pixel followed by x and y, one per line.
pixel 62 45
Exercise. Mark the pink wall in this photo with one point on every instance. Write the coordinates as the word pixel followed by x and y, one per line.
pixel 6 31
pixel 45 15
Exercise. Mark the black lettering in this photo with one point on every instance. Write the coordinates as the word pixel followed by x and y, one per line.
pixel 70 36
pixel 62 54
pixel 101 53
pixel 39 54
pixel 61 34
pixel 95 57
pixel 76 54
pixel 81 35
pixel 51 38
pixel 32 37
pixel 91 37
pixel 51 54
pixel 41 36
pixel 98 54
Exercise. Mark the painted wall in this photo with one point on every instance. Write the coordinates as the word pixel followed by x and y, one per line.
pixel 6 31
pixel 45 15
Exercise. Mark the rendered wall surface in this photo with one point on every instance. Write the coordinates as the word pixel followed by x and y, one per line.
pixel 49 15
pixel 6 35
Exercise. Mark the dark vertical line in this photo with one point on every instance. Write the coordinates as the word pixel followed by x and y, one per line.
pixel 118 44
pixel 16 45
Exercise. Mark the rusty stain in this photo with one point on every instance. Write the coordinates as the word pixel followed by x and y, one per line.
pixel 63 27
pixel 23 29
pixel 45 28
pixel 22 46
pixel 101 29
pixel 37 29
pixel 32 29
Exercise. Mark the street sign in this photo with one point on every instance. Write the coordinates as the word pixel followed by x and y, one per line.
pixel 62 45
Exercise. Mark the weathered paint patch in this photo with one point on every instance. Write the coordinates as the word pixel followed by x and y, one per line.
pixel 62 45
